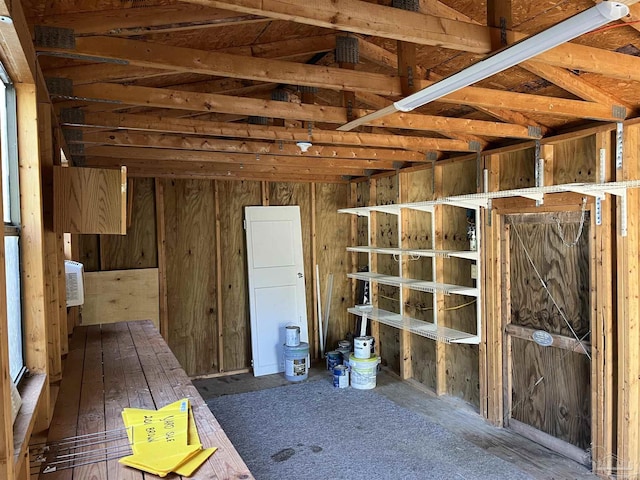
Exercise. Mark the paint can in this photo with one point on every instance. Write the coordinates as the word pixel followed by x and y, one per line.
pixel 296 362
pixel 345 352
pixel 292 338
pixel 333 358
pixel 340 376
pixel 363 372
pixel 344 344
pixel 363 347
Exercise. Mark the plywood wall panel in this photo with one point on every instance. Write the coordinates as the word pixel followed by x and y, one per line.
pixel 286 194
pixel 387 192
pixel 552 391
pixel 462 367
pixel 191 275
pixel 419 234
pixel 89 248
pixel 138 248
pixel 575 160
pixel 564 269
pixel 236 333
pixel 333 233
pixel 517 169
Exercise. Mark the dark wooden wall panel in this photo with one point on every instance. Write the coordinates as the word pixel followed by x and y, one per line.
pixel 138 248
pixel 552 392
pixel 191 275
pixel 388 297
pixel 564 269
pixel 236 331
pixel 333 235
pixel 89 248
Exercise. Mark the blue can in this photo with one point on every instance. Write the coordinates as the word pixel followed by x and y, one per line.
pixel 340 376
pixel 333 358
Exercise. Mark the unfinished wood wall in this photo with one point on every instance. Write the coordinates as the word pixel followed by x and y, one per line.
pixel 207 305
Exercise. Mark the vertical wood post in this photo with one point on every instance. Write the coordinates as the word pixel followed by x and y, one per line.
pixel 492 384
pixel 314 276
pixel 219 303
pixel 602 336
pixel 162 259
pixel 628 252
pixel 406 365
pixel 32 240
pixel 440 350
pixel 373 264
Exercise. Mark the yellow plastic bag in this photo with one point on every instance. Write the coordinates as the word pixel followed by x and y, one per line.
pixel 164 440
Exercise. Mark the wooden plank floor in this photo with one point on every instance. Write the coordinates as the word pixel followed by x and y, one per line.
pixel 452 414
pixel 114 366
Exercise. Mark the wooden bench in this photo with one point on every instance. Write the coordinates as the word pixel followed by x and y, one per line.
pixel 110 367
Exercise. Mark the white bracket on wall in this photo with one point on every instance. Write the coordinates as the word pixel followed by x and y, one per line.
pixel 539 171
pixel 619 145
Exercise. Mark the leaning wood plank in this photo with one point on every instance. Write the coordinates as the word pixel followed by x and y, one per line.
pixel 226 462
pixel 120 295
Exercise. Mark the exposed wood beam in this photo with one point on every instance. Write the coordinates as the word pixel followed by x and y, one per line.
pixel 175 99
pixel 188 60
pixel 145 54
pixel 381 56
pixel 133 139
pixel 237 176
pixel 310 168
pixel 379 102
pixel 369 19
pixel 570 82
pixel 283 49
pixel 593 60
pixel 16 49
pixel 145 20
pixel 258 132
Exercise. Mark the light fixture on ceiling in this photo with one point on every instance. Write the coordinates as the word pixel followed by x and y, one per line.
pixel 304 146
pixel 560 33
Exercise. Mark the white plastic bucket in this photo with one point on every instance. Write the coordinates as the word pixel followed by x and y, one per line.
pixel 363 347
pixel 296 362
pixel 292 338
pixel 363 372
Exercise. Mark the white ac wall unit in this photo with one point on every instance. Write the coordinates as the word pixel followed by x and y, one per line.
pixel 74 273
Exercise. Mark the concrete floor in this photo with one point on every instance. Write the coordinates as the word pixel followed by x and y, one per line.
pixel 451 413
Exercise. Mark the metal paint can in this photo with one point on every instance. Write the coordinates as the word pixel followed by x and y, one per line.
pixel 292 338
pixel 363 347
pixel 333 358
pixel 344 344
pixel 345 352
pixel 340 376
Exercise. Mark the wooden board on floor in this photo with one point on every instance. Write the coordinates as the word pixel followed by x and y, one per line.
pixel 120 295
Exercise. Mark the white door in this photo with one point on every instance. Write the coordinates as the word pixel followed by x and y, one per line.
pixel 276 283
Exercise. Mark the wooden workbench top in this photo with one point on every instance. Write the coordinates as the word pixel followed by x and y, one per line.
pixel 110 367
